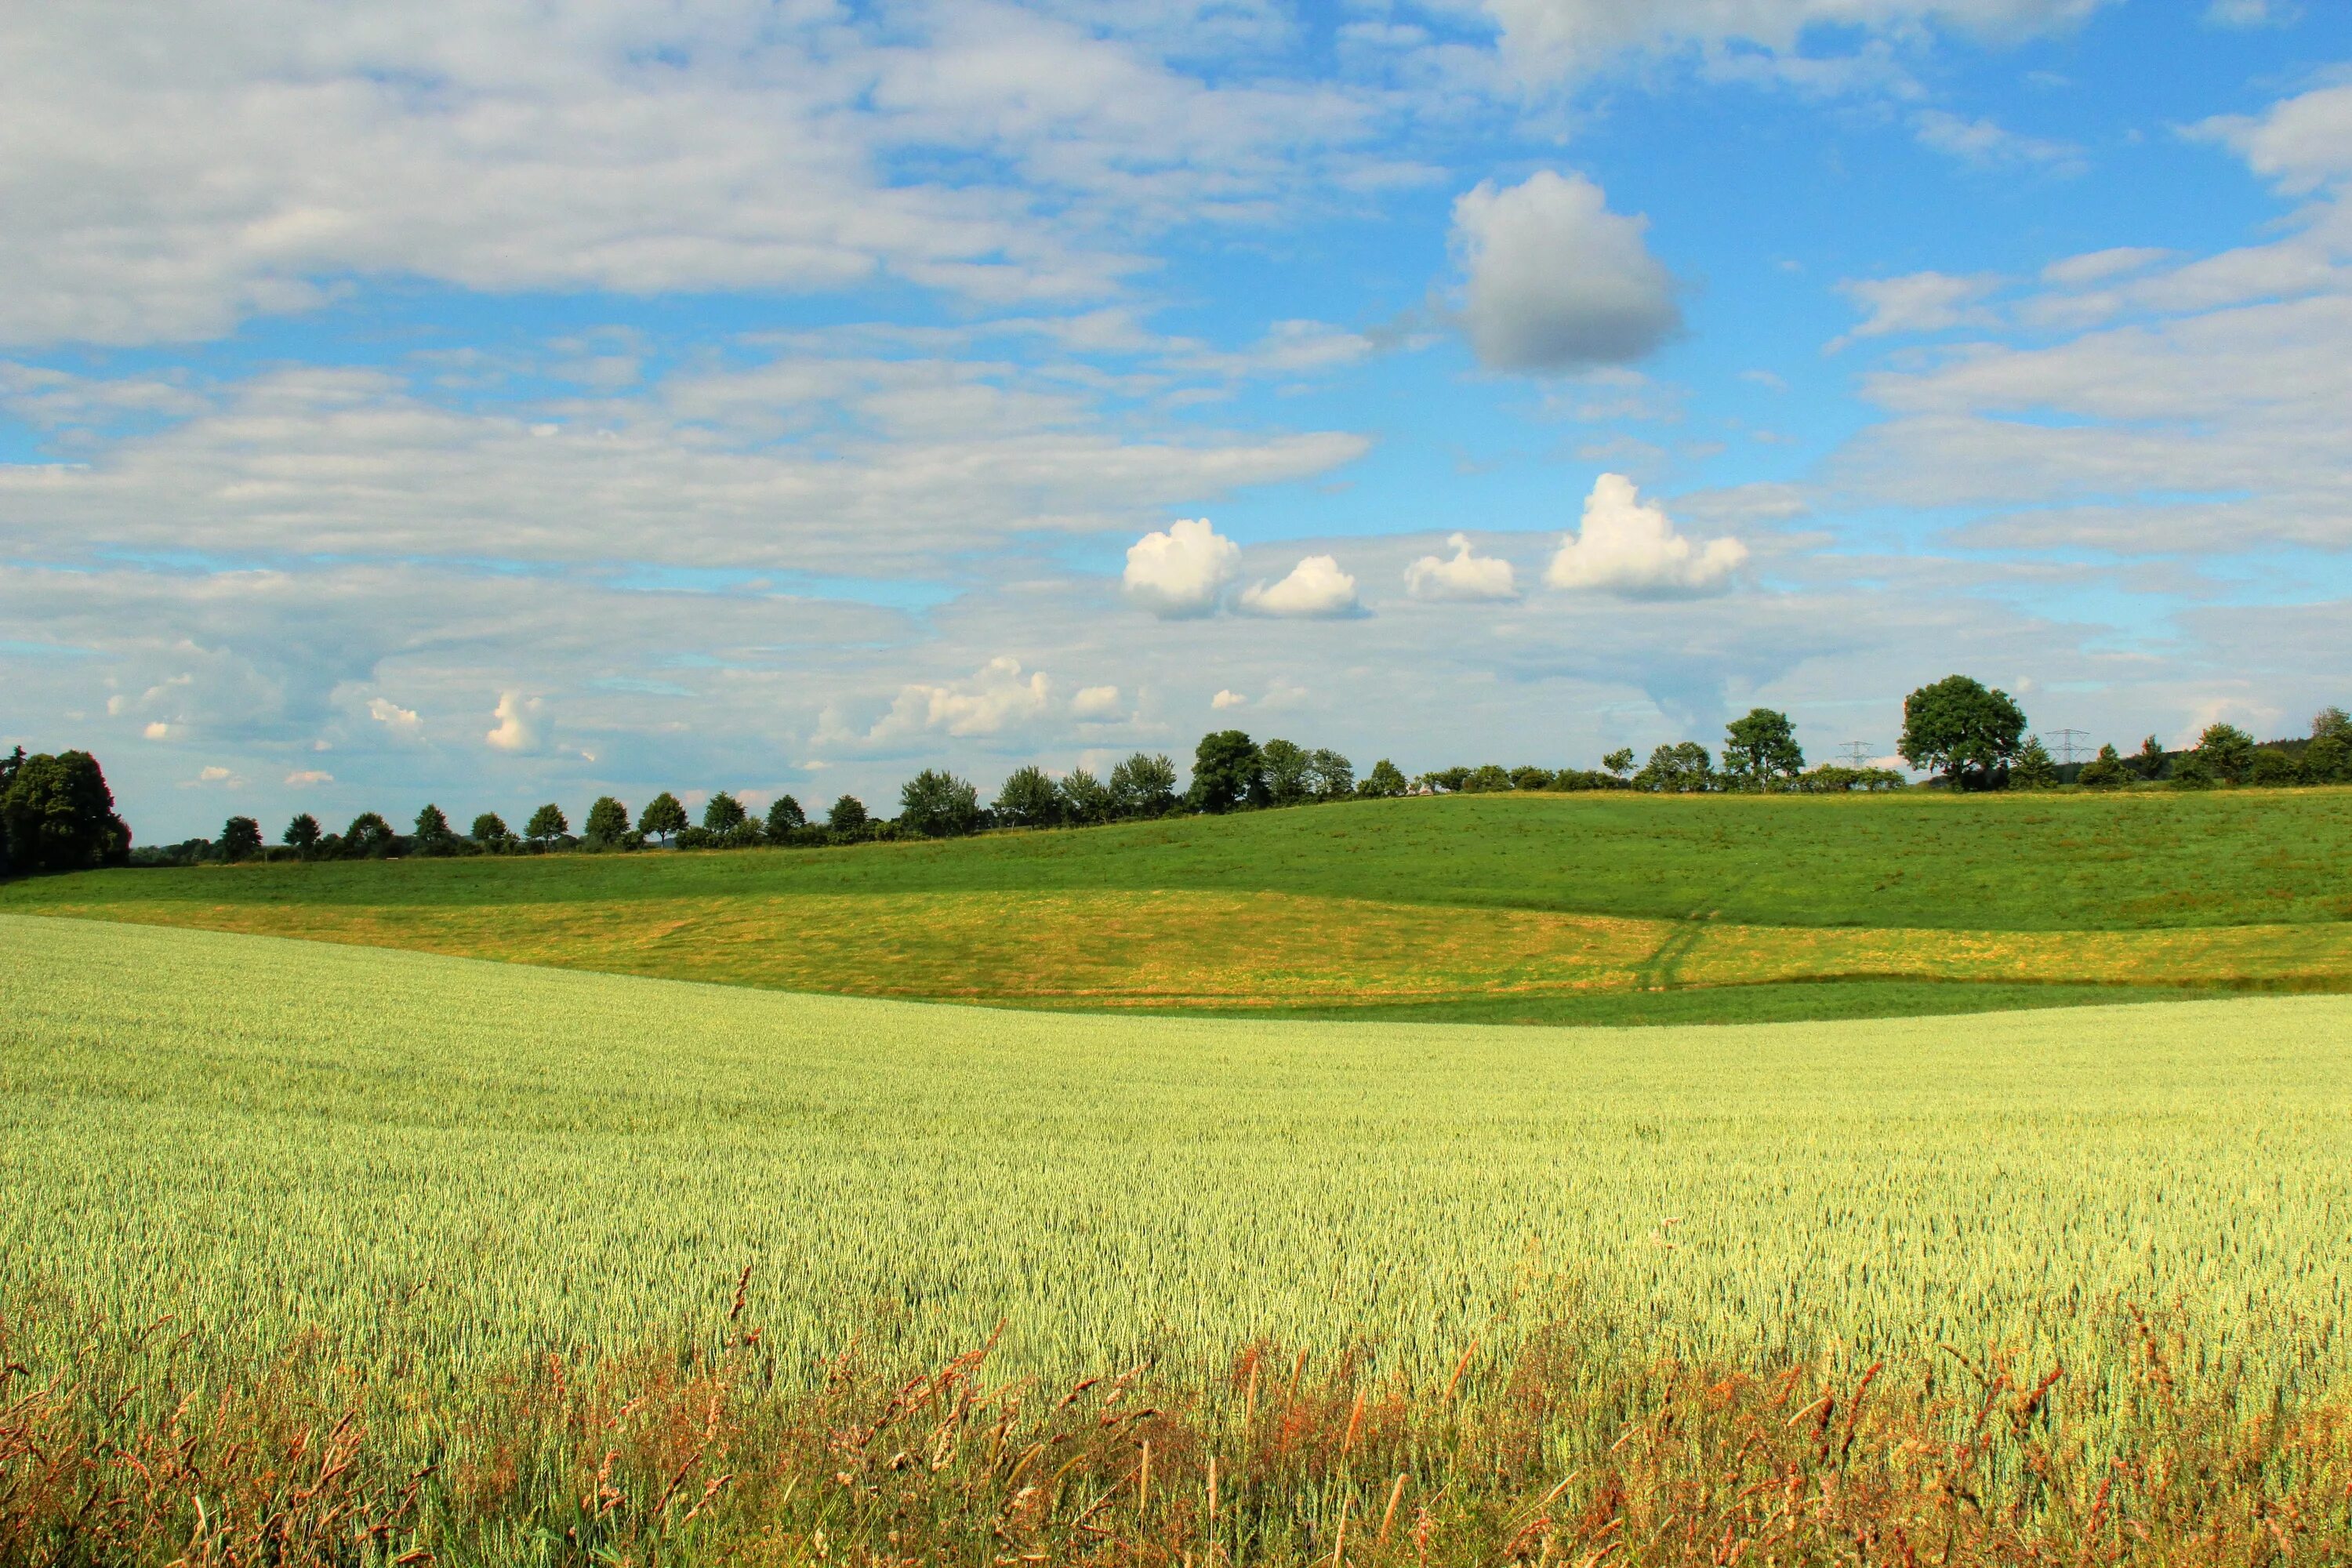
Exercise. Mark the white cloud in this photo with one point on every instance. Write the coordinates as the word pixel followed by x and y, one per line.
pixel 303 778
pixel 211 775
pixel 1225 700
pixel 1464 576
pixel 1183 571
pixel 1917 303
pixel 2101 266
pixel 1316 587
pixel 2301 143
pixel 2250 13
pixel 1990 145
pixel 517 728
pixel 156 731
pixel 1096 703
pixel 1629 548
pixel 996 699
pixel 1554 280
pixel 401 722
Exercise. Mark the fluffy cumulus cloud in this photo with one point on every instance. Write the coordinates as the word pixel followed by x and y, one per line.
pixel 1183 570
pixel 401 722
pixel 1464 576
pixel 306 778
pixel 1554 281
pixel 517 728
pixel 1314 589
pixel 995 699
pixel 1094 704
pixel 1629 547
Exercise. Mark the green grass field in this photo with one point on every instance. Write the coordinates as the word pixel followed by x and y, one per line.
pixel 1591 909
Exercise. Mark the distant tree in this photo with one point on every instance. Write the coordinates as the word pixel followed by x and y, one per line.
pixel 433 835
pixel 240 838
pixel 1448 779
pixel 302 835
pixel 662 818
pixel 2331 721
pixel 2194 771
pixel 1285 766
pixel 1683 768
pixel 1487 780
pixel 2150 761
pixel 2274 769
pixel 784 817
pixel 607 824
pixel 1228 774
pixel 1762 749
pixel 2033 769
pixel 722 813
pixel 1086 799
pixel 490 831
pixel 546 824
pixel 2106 770
pixel 938 804
pixel 1029 800
pixel 847 815
pixel 1329 775
pixel 1143 785
pixel 2328 760
pixel 57 815
pixel 1531 777
pixel 369 838
pixel 1385 782
pixel 2228 751
pixel 1618 761
pixel 1960 729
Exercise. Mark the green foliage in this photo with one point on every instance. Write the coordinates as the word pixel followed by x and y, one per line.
pixel 240 839
pixel 607 825
pixel 1385 782
pixel 1683 768
pixel 1837 778
pixel 1960 729
pixel 723 813
pixel 433 835
pixel 2228 752
pixel 2151 761
pixel 1143 785
pixel 2328 760
pixel 1619 761
pixel 369 838
pixel 785 818
pixel 1762 749
pixel 663 817
pixel 302 833
pixel 490 830
pixel 1086 799
pixel 2106 770
pixel 1228 773
pixel 2194 771
pixel 547 824
pixel 1329 775
pixel 2274 769
pixel 1489 779
pixel 2332 722
pixel 2033 768
pixel 1028 799
pixel 57 815
pixel 1285 766
pixel 846 816
pixel 936 803
pixel 1531 777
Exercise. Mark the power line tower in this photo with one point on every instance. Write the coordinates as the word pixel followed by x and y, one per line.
pixel 2067 743
pixel 1855 753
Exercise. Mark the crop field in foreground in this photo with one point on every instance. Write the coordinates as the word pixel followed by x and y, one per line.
pixel 1493 909
pixel 1541 1284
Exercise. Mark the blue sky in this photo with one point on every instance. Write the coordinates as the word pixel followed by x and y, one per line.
pixel 495 403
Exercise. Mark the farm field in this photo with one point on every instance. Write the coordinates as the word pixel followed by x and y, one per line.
pixel 1492 909
pixel 452 1171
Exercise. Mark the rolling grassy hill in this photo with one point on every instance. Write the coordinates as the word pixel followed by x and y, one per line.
pixel 1503 908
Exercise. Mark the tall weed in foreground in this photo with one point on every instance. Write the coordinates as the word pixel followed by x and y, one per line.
pixel 118 1447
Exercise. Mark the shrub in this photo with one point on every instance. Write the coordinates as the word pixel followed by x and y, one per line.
pixel 2106 770
pixel 2274 769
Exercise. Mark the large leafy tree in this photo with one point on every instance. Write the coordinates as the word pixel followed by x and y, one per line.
pixel 1763 749
pixel 723 813
pixel 302 835
pixel 938 804
pixel 2228 751
pixel 1228 773
pixel 433 833
pixel 1289 770
pixel 490 831
pixel 2150 760
pixel 662 818
pixel 1683 768
pixel 56 813
pixel 1086 799
pixel 1385 782
pixel 1618 761
pixel 371 837
pixel 786 817
pixel 240 838
pixel 607 821
pixel 2106 770
pixel 1332 776
pixel 1029 799
pixel 2034 770
pixel 546 824
pixel 847 815
pixel 1143 785
pixel 1963 729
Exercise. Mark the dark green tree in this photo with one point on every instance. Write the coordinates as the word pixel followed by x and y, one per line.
pixel 302 835
pixel 1761 750
pixel 662 818
pixel 2033 769
pixel 785 818
pixel 723 813
pixel 2274 769
pixel 607 824
pixel 847 816
pixel 1683 768
pixel 1227 773
pixel 57 815
pixel 369 838
pixel 1330 775
pixel 1286 767
pixel 2150 761
pixel 1531 777
pixel 1385 782
pixel 1962 729
pixel 546 824
pixel 2328 760
pixel 491 831
pixel 1618 761
pixel 1488 780
pixel 2106 770
pixel 1143 785
pixel 938 804
pixel 2228 751
pixel 1029 800
pixel 240 838
pixel 2193 771
pixel 433 835
pixel 2331 721
pixel 1086 799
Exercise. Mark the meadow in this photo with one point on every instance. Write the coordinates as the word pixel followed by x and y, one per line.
pixel 458 1188
pixel 1582 909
